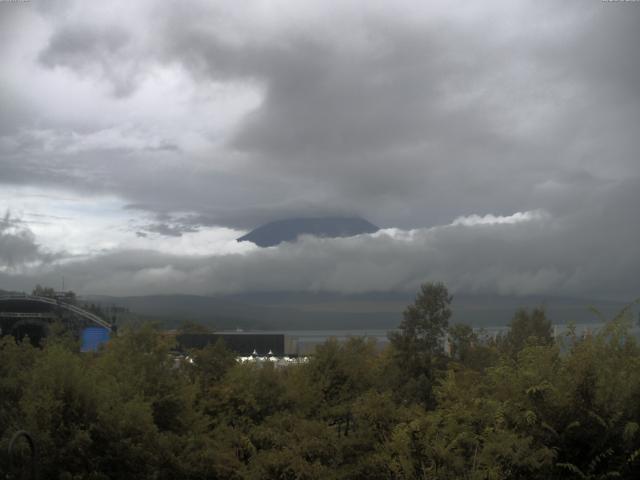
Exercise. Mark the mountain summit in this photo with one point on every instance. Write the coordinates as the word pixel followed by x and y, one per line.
pixel 289 230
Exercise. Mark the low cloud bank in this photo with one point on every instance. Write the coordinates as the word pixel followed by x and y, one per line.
pixel 594 252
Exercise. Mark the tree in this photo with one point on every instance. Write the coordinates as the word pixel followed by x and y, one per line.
pixel 418 343
pixel 189 326
pixel 462 339
pixel 341 372
pixel 528 328
pixel 426 321
pixel 212 362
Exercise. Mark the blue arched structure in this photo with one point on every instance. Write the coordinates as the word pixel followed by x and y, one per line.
pixel 32 316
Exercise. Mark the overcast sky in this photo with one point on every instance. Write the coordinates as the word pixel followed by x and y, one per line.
pixel 495 142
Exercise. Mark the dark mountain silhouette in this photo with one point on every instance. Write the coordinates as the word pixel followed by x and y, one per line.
pixel 326 310
pixel 289 230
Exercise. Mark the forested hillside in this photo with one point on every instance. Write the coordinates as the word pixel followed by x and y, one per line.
pixel 522 406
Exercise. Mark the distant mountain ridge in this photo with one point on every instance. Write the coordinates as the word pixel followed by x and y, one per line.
pixel 325 310
pixel 274 233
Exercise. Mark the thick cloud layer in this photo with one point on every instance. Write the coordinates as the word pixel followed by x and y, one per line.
pixel 524 253
pixel 198 115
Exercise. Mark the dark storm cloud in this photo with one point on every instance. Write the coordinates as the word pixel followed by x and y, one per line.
pixel 385 110
pixel 240 217
pixel 17 244
pixel 88 50
pixel 170 230
pixel 409 114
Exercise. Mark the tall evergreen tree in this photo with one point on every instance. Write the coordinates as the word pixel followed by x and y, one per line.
pixel 417 346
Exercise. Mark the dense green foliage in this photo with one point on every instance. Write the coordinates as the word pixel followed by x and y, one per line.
pixel 521 406
pixel 417 346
